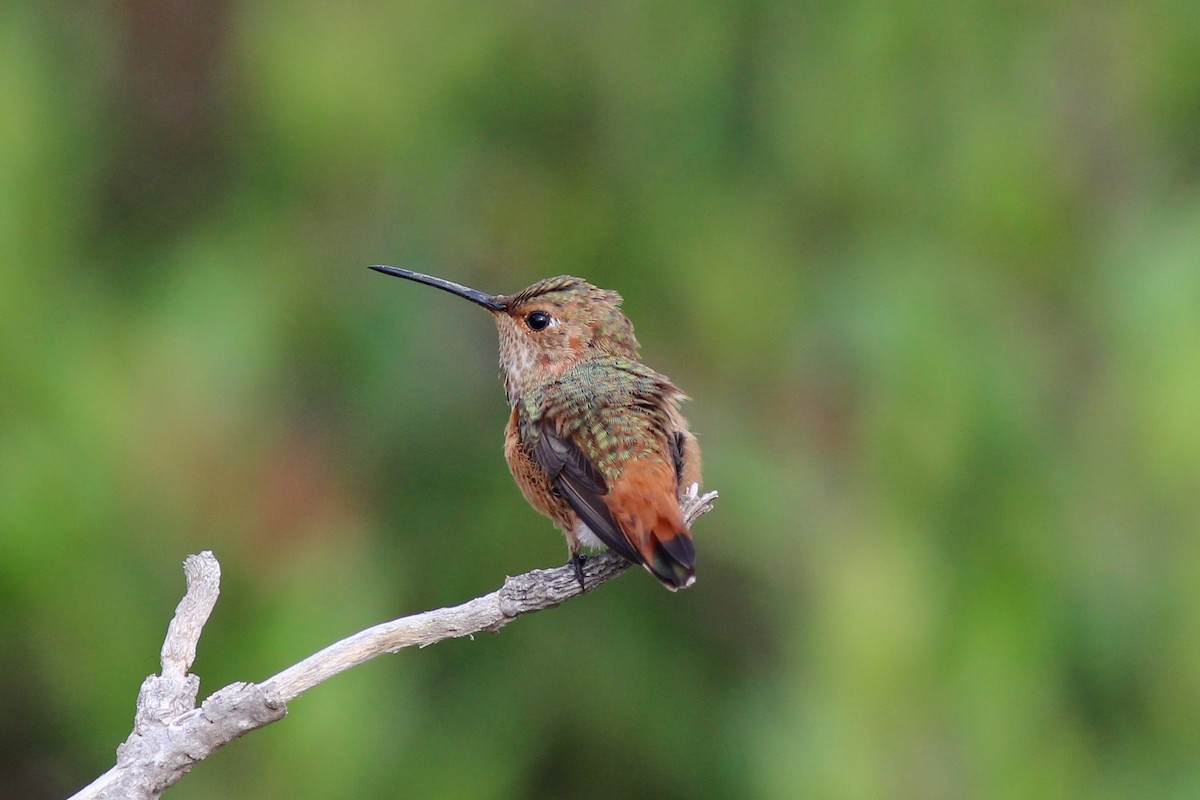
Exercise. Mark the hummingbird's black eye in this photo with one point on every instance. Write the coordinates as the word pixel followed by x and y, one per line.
pixel 537 320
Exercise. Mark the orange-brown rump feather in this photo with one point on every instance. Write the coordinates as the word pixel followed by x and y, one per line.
pixel 643 502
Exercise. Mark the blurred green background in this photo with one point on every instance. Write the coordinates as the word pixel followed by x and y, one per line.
pixel 931 272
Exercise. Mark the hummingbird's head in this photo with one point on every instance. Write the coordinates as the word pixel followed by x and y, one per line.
pixel 555 323
pixel 547 327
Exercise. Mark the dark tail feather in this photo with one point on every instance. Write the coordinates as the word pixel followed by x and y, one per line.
pixel 674 561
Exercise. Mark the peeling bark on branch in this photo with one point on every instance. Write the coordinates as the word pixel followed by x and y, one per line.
pixel 170 734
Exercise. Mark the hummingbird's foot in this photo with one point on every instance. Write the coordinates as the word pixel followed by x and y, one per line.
pixel 576 561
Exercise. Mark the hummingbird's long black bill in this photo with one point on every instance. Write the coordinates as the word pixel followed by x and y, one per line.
pixel 488 301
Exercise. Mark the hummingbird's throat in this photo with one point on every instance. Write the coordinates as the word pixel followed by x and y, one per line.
pixel 526 368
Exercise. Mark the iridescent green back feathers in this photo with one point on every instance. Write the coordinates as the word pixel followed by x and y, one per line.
pixel 613 409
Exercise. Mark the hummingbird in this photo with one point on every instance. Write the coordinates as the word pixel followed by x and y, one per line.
pixel 595 439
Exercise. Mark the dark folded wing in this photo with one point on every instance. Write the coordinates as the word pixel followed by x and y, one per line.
pixel 583 486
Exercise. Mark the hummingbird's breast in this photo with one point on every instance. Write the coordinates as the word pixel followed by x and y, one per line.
pixel 532 479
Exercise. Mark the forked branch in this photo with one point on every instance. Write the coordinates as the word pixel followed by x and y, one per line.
pixel 171 734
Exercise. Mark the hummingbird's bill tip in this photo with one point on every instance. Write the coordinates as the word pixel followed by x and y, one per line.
pixel 386 270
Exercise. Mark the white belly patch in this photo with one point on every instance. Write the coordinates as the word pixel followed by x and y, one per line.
pixel 588 539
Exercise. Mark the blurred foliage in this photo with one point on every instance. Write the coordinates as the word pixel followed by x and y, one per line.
pixel 930 270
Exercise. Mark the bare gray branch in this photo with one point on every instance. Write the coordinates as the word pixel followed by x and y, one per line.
pixel 170 734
